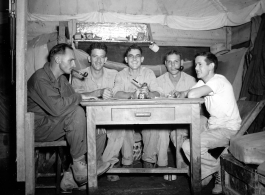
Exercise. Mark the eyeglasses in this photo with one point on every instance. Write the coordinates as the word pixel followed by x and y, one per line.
pixel 172 63
pixel 133 57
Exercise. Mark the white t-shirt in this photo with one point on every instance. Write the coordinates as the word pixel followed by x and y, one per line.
pixel 221 104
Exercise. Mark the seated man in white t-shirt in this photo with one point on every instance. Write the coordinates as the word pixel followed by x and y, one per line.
pixel 224 120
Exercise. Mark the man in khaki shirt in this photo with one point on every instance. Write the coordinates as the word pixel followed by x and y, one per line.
pixel 99 84
pixel 125 89
pixel 172 81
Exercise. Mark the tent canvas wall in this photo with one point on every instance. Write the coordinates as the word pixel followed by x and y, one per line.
pixel 176 23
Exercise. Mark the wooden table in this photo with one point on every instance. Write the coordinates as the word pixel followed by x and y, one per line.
pixel 152 111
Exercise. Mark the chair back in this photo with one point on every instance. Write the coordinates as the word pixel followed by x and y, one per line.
pixel 248 110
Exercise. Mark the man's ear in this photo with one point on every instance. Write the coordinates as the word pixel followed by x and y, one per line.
pixel 126 60
pixel 106 58
pixel 212 66
pixel 142 59
pixel 57 59
pixel 89 58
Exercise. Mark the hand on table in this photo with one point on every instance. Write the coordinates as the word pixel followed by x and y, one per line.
pixel 107 93
pixel 179 94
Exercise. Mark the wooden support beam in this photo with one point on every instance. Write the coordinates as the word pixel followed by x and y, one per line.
pixel 63 26
pixel 72 29
pixel 21 101
pixel 228 44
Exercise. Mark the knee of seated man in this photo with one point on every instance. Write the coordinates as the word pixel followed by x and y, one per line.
pixel 79 115
pixel 115 134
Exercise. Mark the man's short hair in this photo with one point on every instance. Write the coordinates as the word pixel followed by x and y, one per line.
pixel 134 46
pixel 58 49
pixel 97 45
pixel 173 52
pixel 209 58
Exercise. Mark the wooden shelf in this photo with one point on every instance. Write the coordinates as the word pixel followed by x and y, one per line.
pixel 76 42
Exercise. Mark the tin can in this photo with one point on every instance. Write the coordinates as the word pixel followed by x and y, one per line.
pixel 142 96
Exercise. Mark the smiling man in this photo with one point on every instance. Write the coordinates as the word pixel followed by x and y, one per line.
pixel 224 120
pixel 57 112
pixel 99 83
pixel 125 89
pixel 100 80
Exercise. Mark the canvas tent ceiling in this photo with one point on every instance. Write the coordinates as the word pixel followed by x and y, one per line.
pixel 177 14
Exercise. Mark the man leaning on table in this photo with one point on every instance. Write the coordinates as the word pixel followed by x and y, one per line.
pixel 126 89
pixel 57 112
pixel 224 120
pixel 99 83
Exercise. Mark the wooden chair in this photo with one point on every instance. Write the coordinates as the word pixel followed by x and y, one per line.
pixel 32 159
pixel 248 110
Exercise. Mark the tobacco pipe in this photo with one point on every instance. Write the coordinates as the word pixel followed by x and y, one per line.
pixel 180 68
pixel 81 74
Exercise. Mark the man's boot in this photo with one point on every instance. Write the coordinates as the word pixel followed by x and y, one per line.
pixel 68 183
pixel 148 165
pixel 79 169
pixel 218 186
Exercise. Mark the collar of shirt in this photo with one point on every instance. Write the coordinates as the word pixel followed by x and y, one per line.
pixel 179 81
pixel 104 76
pixel 51 76
pixel 140 71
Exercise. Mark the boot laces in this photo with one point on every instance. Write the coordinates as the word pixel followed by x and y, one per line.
pixel 218 178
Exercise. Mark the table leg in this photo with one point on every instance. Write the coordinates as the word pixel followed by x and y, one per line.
pixel 91 149
pixel 195 155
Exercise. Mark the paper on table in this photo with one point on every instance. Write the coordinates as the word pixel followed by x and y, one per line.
pixel 90 98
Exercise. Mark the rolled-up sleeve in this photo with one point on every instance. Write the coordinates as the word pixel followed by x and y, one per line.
pixel 152 81
pixel 119 83
pixel 78 85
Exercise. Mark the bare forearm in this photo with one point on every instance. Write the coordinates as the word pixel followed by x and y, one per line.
pixel 181 94
pixel 96 93
pixel 154 94
pixel 124 95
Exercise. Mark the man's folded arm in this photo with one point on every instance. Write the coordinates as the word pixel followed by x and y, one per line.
pixel 51 101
